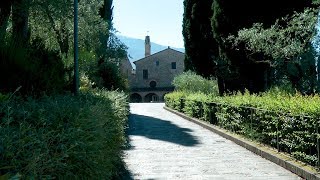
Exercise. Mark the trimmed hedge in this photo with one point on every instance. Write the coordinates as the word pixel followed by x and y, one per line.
pixel 63 137
pixel 173 100
pixel 287 122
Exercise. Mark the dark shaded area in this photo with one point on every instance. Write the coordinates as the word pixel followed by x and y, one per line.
pixel 135 98
pixel 125 173
pixel 238 69
pixel 200 46
pixel 151 97
pixel 154 128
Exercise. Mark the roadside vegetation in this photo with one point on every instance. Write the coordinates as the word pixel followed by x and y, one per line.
pixel 46 132
pixel 63 136
pixel 265 67
pixel 280 117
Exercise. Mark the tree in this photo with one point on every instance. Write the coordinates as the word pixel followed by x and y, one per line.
pixel 106 12
pixel 20 18
pixel 200 46
pixel 52 21
pixel 56 17
pixel 57 24
pixel 238 70
pixel 5 10
pixel 285 43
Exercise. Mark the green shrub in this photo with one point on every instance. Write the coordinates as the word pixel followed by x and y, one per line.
pixel 63 137
pixel 173 100
pixel 283 120
pixel 32 67
pixel 191 82
pixel 108 76
pixel 194 105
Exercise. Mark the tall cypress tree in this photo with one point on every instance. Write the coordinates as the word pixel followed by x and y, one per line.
pixel 186 33
pixel 200 47
pixel 106 12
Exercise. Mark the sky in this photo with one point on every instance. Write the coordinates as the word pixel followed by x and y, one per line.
pixel 160 19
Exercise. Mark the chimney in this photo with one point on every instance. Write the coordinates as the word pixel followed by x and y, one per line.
pixel 147 46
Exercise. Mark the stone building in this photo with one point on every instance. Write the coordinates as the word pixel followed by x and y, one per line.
pixel 154 73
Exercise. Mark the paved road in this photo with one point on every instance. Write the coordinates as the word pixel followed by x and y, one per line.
pixel 165 146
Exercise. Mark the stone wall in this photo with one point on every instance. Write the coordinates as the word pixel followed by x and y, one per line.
pixel 161 72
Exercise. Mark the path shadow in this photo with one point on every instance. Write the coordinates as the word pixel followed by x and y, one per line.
pixel 164 130
pixel 124 173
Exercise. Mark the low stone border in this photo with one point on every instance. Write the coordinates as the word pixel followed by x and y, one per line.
pixel 281 159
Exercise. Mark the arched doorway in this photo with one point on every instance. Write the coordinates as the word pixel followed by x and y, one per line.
pixel 151 97
pixel 135 98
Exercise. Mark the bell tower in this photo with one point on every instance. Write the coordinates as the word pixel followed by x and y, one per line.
pixel 147 45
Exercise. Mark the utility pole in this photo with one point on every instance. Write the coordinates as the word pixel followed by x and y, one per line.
pixel 76 53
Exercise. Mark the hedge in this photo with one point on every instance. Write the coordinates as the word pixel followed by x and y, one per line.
pixel 63 137
pixel 289 123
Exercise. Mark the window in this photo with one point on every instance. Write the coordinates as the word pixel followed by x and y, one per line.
pixel 157 63
pixel 173 65
pixel 153 84
pixel 145 74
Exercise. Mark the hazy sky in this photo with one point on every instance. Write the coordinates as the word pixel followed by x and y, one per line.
pixel 162 18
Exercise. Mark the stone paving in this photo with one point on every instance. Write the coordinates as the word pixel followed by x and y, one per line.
pixel 165 146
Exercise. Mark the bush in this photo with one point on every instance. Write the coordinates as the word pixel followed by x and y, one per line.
pixel 173 100
pixel 32 67
pixel 63 137
pixel 191 82
pixel 280 119
pixel 108 76
pixel 195 104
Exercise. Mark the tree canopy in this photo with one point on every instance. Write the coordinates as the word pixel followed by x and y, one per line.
pixel 242 70
pixel 236 41
pixel 200 47
pixel 48 26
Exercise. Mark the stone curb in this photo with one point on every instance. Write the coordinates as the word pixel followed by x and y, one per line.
pixel 270 154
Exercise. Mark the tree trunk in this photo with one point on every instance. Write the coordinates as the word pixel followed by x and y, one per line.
pixel 64 35
pixel 221 86
pixel 20 14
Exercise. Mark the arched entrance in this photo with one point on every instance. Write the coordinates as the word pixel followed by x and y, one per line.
pixel 151 97
pixel 135 98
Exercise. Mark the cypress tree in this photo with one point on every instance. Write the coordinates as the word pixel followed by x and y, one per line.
pixel 200 46
pixel 106 13
pixel 186 23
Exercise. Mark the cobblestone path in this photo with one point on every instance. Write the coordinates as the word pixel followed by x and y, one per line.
pixel 165 146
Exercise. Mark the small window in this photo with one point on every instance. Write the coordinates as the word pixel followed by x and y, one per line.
pixel 173 65
pixel 145 74
pixel 153 84
pixel 157 63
